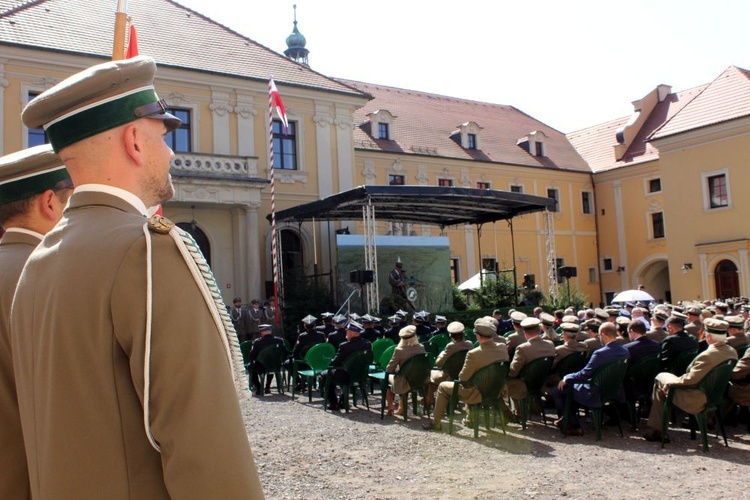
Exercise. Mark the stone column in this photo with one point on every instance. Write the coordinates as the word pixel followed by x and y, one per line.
pixel 3 85
pixel 252 256
pixel 239 250
pixel 245 125
pixel 702 258
pixel 220 109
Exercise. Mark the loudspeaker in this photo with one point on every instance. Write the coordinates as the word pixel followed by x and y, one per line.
pixel 361 276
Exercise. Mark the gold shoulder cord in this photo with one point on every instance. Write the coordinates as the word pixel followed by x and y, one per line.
pixel 206 282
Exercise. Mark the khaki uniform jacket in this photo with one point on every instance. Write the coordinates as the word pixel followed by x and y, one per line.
pixel 693 400
pixel 479 357
pixel 737 341
pixel 400 355
pixel 450 349
pixel 592 344
pixel 657 335
pixel 535 347
pixel 80 367
pixel 739 386
pixel 15 249
pixel 694 328
pixel 514 340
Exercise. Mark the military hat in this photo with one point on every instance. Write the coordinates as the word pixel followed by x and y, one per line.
pixel 570 318
pixel 612 311
pixel 679 315
pixel 376 320
pixel 570 327
pixel 265 328
pixel 715 326
pixel 407 332
pixel 735 321
pixel 353 326
pixel 326 315
pixel 355 316
pixel 339 319
pixel 367 319
pixel 440 319
pixel 719 316
pixel 402 313
pixel 530 323
pixel 456 327
pixel 395 318
pixel 625 313
pixel 517 316
pixel 662 315
pixel 29 172
pixel 593 324
pixel 622 320
pixel 309 319
pixel 547 319
pixel 601 314
pixel 629 304
pixel 97 99
pixel 679 309
pixel 694 310
pixel 424 313
pixel 722 305
pixel 485 328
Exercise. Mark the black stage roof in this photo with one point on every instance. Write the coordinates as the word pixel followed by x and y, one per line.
pixel 442 206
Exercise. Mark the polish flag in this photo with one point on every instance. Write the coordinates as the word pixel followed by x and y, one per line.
pixel 132 43
pixel 276 100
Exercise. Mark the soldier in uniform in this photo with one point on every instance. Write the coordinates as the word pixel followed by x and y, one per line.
pixel 127 381
pixel 352 344
pixel 255 318
pixel 548 327
pixel 423 331
pixel 327 326
pixel 338 336
pixel 370 334
pixel 694 324
pixel 677 342
pixel 440 325
pixel 240 320
pixel 535 347
pixel 736 332
pixel 658 332
pixel 34 187
pixel 265 340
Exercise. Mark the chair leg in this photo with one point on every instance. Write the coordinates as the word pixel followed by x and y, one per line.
pixel 665 422
pixel 405 405
pixel 703 426
pixel 474 412
pixel 598 422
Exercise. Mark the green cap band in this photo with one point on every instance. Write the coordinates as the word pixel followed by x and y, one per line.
pixel 96 119
pixel 29 186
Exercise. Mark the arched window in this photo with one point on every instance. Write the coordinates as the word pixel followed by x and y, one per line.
pixel 200 238
pixel 726 279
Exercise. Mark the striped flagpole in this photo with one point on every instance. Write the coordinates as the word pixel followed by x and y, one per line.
pixel 274 250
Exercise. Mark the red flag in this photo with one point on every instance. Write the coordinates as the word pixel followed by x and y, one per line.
pixel 132 43
pixel 277 104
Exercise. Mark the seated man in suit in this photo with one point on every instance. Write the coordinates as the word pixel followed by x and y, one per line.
pixel 335 375
pixel 580 381
pixel 479 357
pixel 640 346
pixel 691 401
pixel 535 347
pixel 570 346
pixel 266 339
pixel 677 341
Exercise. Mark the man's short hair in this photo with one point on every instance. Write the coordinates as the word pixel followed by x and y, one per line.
pixel 15 209
pixel 637 326
pixel 677 322
pixel 608 329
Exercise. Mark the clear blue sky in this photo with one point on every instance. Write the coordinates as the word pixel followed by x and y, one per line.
pixel 568 64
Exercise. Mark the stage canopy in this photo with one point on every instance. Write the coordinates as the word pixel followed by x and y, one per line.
pixel 442 206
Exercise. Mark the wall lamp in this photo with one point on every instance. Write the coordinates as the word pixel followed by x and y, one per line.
pixel 620 269
pixel 686 266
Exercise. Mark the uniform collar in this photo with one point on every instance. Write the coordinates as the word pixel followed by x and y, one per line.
pixel 129 197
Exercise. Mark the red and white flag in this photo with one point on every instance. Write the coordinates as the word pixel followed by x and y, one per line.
pixel 132 43
pixel 277 104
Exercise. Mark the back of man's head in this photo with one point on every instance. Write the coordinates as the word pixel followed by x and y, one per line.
pixel 608 332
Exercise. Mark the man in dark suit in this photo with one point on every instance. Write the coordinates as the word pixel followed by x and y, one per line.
pixel 354 343
pixel 583 392
pixel 266 339
pixel 640 346
pixel 677 342
pixel 338 335
pixel 310 337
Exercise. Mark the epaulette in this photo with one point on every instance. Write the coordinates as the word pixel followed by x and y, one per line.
pixel 160 224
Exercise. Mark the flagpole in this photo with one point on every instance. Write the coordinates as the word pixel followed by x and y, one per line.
pixel 121 21
pixel 274 257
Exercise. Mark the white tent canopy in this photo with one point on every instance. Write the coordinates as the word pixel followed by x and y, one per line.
pixel 474 283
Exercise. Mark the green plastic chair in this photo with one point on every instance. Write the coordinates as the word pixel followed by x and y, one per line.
pixel 378 347
pixel 640 379
pixel 609 379
pixel 437 343
pixel 378 373
pixel 416 371
pixel 454 363
pixel 571 363
pixel 316 361
pixel 470 335
pixel 272 358
pixel 679 365
pixel 357 365
pixel 489 381
pixel 533 374
pixel 713 385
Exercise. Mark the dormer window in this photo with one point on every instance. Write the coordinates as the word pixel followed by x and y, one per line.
pixel 382 124
pixel 534 143
pixel 468 133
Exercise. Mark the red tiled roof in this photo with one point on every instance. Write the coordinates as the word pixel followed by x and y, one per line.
pixel 425 124
pixel 172 34
pixel 724 99
pixel 597 144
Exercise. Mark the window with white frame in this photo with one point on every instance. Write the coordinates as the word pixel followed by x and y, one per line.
pixel 483 185
pixel 382 124
pixel 587 202
pixel 516 188
pixel 469 133
pixel 716 190
pixel 657 225
pixel 653 185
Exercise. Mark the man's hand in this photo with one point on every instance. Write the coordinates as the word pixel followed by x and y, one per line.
pixel 561 385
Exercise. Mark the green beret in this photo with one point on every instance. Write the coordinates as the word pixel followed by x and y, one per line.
pixel 30 172
pixel 97 99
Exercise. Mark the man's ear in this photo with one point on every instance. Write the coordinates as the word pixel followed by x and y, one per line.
pixel 45 205
pixel 133 139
